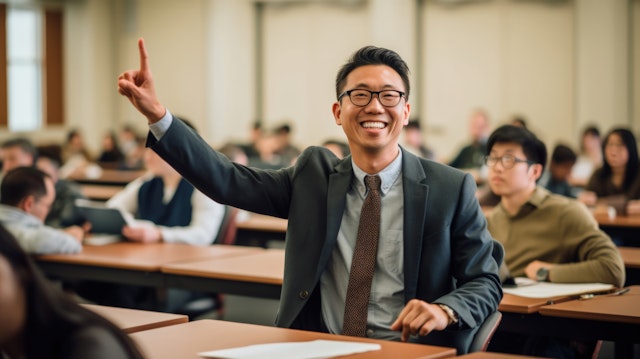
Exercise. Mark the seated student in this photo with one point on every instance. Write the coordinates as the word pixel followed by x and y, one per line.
pixel 546 237
pixel 17 152
pixel 26 195
pixel 174 212
pixel 617 182
pixel 39 321
pixel 556 179
pixel 63 212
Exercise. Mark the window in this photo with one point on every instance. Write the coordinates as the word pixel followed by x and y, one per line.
pixel 24 69
pixel 31 67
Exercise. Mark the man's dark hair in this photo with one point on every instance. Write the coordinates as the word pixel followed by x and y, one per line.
pixel 533 148
pixel 563 154
pixel 24 144
pixel 633 165
pixel 371 55
pixel 21 182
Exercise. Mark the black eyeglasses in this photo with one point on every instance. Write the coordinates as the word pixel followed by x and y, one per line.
pixel 361 97
pixel 507 161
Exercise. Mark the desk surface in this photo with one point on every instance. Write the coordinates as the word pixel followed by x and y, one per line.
pixel 632 221
pixel 514 304
pixel 108 176
pixel 186 340
pixel 630 256
pixel 133 320
pixel 144 257
pixel 260 222
pixel 262 266
pixel 99 192
pixel 610 308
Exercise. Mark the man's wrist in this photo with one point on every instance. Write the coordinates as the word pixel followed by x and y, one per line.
pixel 451 314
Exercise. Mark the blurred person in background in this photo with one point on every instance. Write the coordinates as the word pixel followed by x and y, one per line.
pixel 63 212
pixel 556 177
pixel 110 156
pixel 413 141
pixel 589 158
pixel 617 182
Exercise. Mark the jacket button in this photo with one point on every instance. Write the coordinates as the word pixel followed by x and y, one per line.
pixel 303 294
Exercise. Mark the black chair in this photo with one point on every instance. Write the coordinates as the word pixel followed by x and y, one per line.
pixel 485 333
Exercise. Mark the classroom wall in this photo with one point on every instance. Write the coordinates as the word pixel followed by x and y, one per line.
pixel 224 63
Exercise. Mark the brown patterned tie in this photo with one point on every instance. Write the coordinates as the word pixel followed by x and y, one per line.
pixel 363 263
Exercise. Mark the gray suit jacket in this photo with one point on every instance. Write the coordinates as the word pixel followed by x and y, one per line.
pixel 449 256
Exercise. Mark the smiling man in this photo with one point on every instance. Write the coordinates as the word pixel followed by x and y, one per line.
pixel 432 264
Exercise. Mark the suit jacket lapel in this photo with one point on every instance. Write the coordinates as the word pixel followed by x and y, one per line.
pixel 339 183
pixel 415 195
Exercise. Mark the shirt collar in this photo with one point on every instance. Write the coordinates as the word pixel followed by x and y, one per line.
pixel 538 196
pixel 388 175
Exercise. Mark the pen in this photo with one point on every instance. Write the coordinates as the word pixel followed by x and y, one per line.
pixel 591 295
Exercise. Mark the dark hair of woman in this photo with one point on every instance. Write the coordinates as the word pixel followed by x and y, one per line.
pixel 633 163
pixel 54 321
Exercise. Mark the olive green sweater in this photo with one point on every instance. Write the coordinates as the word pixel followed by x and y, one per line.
pixel 557 229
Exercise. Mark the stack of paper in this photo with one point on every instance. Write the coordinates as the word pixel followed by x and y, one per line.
pixel 296 350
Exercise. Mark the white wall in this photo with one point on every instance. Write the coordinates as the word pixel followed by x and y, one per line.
pixel 562 64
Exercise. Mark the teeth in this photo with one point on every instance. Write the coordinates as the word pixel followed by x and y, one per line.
pixel 373 125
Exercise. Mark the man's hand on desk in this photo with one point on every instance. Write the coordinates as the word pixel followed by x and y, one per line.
pixel 633 206
pixel 532 269
pixel 79 232
pixel 420 318
pixel 142 234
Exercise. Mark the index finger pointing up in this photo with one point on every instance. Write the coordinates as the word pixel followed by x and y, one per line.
pixel 144 57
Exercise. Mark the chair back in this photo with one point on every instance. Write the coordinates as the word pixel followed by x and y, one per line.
pixel 485 333
pixel 228 227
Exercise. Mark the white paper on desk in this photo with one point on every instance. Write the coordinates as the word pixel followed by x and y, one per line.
pixel 314 349
pixel 546 289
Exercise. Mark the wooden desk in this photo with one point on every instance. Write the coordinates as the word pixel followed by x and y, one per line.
pixel 257 274
pixel 632 222
pixel 108 177
pixel 133 320
pixel 608 317
pixel 630 256
pixel 186 340
pixel 514 304
pixel 99 192
pixel 258 229
pixel 488 355
pixel 610 308
pixel 130 263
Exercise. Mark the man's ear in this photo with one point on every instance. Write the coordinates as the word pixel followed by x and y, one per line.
pixel 536 171
pixel 27 203
pixel 337 110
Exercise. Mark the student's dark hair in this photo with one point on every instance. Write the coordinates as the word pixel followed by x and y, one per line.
pixel 52 317
pixel 21 182
pixel 633 165
pixel 371 55
pixel 413 124
pixel 563 154
pixel 24 144
pixel 344 147
pixel 591 130
pixel 52 152
pixel 534 149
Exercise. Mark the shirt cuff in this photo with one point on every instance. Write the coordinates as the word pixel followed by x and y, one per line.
pixel 453 317
pixel 158 129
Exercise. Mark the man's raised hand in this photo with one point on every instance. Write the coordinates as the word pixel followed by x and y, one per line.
pixel 138 87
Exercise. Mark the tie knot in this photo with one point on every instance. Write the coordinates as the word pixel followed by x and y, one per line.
pixel 372 182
